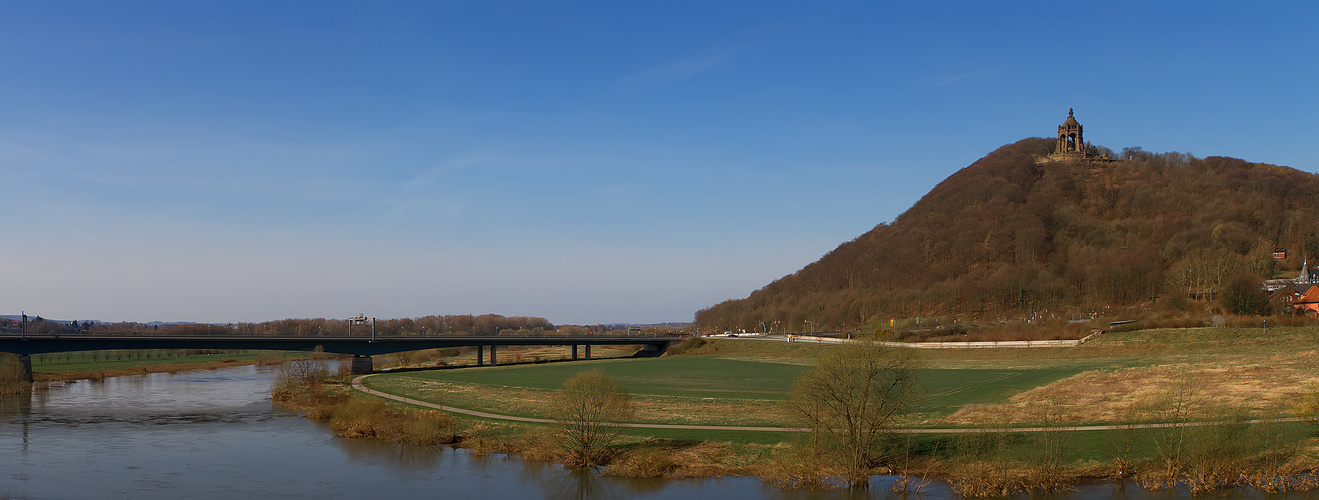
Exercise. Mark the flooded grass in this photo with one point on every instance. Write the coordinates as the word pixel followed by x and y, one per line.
pixel 98 365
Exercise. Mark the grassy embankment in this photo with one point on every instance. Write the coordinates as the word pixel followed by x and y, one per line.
pixel 1117 379
pixel 308 386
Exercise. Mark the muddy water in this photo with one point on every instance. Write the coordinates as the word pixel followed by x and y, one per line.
pixel 215 434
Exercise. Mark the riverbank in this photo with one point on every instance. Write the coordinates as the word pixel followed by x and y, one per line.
pixel 738 382
pixel 986 477
pixel 976 463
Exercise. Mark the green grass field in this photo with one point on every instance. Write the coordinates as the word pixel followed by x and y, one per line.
pixel 743 381
pixel 699 379
pixel 693 376
pixel 946 390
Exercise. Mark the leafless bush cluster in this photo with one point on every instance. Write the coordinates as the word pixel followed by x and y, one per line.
pixel 363 416
pixel 11 378
pixel 300 376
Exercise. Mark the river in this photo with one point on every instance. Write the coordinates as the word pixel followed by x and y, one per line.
pixel 216 434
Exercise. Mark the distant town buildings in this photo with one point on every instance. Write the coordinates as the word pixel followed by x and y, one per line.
pixel 1301 292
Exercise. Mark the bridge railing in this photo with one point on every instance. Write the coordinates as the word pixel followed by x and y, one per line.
pixel 355 335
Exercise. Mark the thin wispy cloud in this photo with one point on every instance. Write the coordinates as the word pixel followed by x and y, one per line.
pixel 452 186
pixel 974 75
pixel 433 175
pixel 678 70
pixel 674 71
pixel 614 190
pixel 735 44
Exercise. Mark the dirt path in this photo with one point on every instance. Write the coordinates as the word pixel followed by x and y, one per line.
pixel 357 384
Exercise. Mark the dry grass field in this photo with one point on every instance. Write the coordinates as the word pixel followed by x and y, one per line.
pixel 1228 372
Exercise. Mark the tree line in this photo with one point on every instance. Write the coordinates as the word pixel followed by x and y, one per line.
pixel 464 324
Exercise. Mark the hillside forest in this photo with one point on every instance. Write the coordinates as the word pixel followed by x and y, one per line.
pixel 1009 238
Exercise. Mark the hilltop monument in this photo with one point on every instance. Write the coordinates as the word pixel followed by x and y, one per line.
pixel 1071 145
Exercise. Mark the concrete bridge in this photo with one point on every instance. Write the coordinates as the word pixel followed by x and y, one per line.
pixel 361 347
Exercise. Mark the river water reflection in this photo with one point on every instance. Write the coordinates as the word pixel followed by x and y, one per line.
pixel 215 433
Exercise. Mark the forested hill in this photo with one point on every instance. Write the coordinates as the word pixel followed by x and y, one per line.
pixel 1007 236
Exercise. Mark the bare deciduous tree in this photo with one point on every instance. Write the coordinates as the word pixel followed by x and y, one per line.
pixel 1176 406
pixel 849 401
pixel 588 407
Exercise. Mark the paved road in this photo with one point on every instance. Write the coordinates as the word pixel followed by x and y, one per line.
pixel 990 344
pixel 357 384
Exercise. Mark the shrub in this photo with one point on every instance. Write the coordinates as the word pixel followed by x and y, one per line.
pixel 646 462
pixel 365 416
pixel 685 345
pixel 11 380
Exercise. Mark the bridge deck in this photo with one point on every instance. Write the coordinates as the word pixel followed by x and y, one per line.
pixel 360 345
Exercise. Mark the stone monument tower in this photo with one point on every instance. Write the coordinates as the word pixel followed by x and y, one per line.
pixel 1070 142
pixel 1072 146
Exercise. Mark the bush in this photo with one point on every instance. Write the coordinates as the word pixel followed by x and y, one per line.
pixel 1243 295
pixel 299 376
pixel 685 345
pixel 360 416
pixel 11 380
pixel 647 462
pixel 797 468
pixel 539 444
pixel 365 416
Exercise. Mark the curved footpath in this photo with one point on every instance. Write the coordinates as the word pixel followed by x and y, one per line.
pixel 357 384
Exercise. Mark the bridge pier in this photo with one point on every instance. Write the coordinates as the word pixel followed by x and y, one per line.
pixel 574 352
pixel 25 367
pixel 494 360
pixel 362 365
pixel 588 352
pixel 480 355
pixel 652 350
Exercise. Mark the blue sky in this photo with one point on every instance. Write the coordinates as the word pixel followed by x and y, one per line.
pixel 581 161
